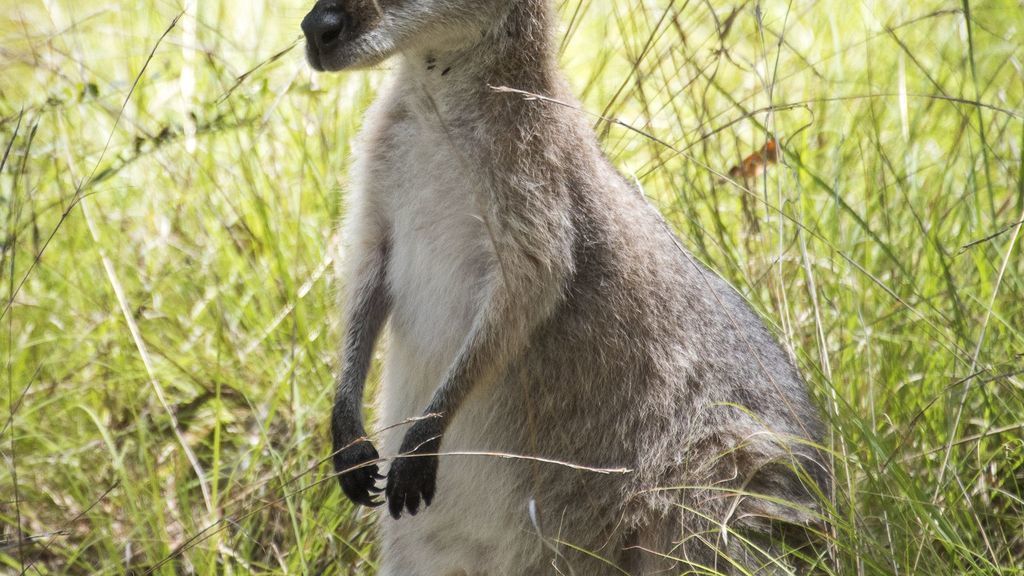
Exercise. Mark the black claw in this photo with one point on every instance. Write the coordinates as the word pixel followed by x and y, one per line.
pixel 368 502
pixel 412 502
pixel 395 505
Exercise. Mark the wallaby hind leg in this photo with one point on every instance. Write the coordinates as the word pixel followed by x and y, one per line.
pixel 756 510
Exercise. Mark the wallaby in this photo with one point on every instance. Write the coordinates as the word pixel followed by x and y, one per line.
pixel 601 403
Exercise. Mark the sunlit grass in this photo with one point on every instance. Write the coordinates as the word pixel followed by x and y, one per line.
pixel 172 287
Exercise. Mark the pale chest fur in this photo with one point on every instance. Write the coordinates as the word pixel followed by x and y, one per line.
pixel 440 247
pixel 428 198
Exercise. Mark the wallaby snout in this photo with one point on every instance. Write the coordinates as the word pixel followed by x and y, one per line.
pixel 324 26
pixel 336 32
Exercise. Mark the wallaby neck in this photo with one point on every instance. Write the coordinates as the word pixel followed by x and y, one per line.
pixel 518 52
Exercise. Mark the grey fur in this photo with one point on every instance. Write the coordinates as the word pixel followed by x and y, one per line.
pixel 539 307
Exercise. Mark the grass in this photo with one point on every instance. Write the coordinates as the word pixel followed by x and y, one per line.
pixel 170 181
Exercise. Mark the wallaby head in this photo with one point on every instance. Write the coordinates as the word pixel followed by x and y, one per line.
pixel 344 34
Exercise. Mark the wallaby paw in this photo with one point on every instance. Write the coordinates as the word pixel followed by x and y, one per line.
pixel 413 475
pixel 357 475
pixel 411 480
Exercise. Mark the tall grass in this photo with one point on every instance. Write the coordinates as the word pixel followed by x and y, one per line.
pixel 170 179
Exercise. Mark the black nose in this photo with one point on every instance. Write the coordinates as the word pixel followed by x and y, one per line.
pixel 324 25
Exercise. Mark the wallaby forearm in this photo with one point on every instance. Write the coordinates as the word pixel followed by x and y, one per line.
pixel 531 270
pixel 367 310
pixel 501 331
